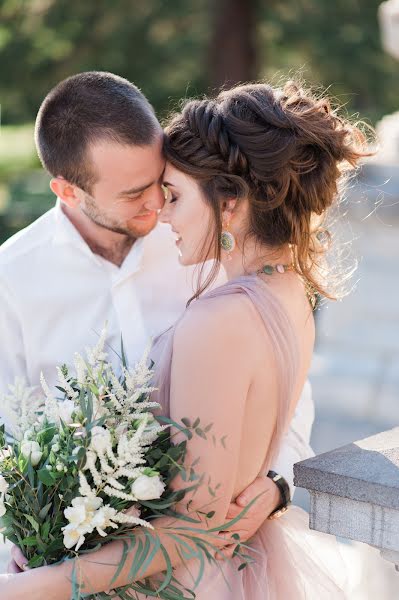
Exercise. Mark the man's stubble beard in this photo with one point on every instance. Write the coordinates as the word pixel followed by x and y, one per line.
pixel 91 211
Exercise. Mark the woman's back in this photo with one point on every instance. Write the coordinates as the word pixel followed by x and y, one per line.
pixel 253 342
pixel 238 358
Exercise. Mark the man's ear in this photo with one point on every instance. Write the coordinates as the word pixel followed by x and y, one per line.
pixel 66 191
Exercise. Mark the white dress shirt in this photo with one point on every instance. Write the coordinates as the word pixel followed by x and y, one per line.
pixel 56 295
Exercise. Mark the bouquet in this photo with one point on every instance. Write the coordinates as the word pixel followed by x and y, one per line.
pixel 90 466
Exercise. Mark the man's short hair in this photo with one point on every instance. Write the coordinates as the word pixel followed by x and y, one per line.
pixel 86 108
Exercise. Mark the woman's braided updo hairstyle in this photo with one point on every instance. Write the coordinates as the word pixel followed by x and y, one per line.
pixel 283 149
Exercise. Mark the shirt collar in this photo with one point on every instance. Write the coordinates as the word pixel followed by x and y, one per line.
pixel 65 233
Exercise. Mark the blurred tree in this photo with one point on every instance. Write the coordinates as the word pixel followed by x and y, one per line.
pixel 158 45
pixel 178 48
pixel 233 49
pixel 338 45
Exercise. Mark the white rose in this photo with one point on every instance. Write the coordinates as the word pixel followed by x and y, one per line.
pixel 3 485
pixel 148 488
pixel 32 450
pixel 28 434
pixel 65 410
pixel 100 439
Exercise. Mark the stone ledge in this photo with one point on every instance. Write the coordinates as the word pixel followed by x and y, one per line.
pixel 364 471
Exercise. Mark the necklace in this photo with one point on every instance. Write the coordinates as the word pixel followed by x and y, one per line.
pixel 280 268
pixel 270 269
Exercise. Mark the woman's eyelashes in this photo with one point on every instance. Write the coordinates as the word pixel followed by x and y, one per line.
pixel 169 197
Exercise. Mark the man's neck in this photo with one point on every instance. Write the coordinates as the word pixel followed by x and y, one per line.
pixel 111 245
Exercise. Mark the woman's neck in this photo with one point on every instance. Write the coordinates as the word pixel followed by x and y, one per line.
pixel 254 258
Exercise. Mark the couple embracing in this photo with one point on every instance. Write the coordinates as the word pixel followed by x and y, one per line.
pixel 206 237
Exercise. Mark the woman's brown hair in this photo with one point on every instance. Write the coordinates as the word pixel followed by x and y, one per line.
pixel 285 150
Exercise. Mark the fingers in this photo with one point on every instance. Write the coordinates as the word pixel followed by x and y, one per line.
pixel 18 557
pixel 258 486
pixel 233 511
pixel 13 568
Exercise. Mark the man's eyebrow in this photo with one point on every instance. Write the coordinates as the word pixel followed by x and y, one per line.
pixel 136 190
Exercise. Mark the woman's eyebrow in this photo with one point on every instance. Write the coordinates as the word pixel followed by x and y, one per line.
pixel 168 184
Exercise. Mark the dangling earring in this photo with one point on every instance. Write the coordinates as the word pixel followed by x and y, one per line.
pixel 227 241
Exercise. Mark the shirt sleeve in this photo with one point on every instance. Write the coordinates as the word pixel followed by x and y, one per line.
pixel 295 445
pixel 12 354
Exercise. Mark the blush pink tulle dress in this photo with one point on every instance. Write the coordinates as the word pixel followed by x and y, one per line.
pixel 291 561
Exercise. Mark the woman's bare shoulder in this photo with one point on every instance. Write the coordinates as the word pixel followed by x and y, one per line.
pixel 220 323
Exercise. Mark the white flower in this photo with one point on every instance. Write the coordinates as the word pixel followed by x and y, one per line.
pixel 33 451
pixel 73 537
pixel 97 354
pixel 100 439
pixel 103 518
pixel 19 407
pixel 5 452
pixel 80 368
pixel 80 516
pixel 76 515
pixel 148 488
pixel 65 410
pixel 4 485
pixel 29 433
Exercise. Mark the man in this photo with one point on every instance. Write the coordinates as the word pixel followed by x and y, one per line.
pixel 100 255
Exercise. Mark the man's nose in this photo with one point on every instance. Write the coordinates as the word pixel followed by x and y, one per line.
pixel 163 216
pixel 156 200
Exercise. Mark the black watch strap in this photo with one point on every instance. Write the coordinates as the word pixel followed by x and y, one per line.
pixel 284 492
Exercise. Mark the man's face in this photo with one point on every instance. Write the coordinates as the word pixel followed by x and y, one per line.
pixel 127 195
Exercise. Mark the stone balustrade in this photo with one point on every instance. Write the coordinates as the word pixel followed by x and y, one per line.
pixel 354 492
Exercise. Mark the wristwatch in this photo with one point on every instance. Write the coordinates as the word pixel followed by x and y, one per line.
pixel 284 492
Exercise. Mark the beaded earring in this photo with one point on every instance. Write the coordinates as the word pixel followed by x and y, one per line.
pixel 227 240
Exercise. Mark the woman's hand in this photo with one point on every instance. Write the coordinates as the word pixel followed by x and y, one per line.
pixel 18 561
pixel 248 525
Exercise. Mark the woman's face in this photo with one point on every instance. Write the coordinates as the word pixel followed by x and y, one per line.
pixel 189 215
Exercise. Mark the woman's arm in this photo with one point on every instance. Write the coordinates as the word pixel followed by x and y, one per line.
pixel 212 370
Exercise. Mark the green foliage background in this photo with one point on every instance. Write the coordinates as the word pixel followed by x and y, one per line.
pixel 163 46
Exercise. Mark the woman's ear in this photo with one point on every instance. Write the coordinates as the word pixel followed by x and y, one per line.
pixel 228 207
pixel 65 191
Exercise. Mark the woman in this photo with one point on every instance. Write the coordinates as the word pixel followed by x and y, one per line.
pixel 249 178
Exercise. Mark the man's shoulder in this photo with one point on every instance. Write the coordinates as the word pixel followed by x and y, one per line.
pixel 28 239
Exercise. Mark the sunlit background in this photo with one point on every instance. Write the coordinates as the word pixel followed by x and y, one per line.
pixel 177 48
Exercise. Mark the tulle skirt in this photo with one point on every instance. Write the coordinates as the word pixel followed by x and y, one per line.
pixel 291 562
